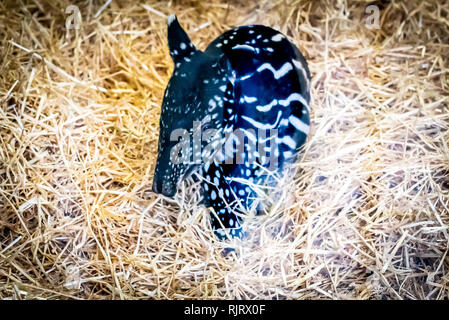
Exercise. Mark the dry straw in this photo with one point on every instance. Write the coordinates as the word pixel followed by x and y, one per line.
pixel 366 216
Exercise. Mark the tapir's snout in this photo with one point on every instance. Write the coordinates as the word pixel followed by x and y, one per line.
pixel 163 185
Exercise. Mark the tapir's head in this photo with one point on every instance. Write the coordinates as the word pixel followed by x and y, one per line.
pixel 193 94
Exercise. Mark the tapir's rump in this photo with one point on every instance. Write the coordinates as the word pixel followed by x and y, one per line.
pixel 250 92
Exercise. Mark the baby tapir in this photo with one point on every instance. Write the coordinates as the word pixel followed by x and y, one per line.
pixel 236 114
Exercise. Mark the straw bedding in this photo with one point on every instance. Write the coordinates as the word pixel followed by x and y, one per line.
pixel 365 216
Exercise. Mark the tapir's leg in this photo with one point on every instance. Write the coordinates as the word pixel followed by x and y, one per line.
pixel 219 196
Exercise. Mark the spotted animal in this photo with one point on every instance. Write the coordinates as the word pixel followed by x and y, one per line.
pixel 247 96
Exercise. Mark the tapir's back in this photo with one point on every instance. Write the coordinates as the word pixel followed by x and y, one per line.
pixel 271 92
pixel 266 113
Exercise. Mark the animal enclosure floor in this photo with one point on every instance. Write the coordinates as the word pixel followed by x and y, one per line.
pixel 365 217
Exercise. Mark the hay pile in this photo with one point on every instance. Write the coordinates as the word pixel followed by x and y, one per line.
pixel 366 216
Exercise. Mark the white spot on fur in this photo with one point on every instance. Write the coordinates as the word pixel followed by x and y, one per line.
pixel 277 37
pixel 171 18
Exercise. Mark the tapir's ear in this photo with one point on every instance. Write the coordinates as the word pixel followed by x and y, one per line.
pixel 179 43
